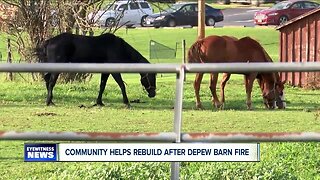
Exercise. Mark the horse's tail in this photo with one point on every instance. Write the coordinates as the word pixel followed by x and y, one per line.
pixel 194 53
pixel 41 51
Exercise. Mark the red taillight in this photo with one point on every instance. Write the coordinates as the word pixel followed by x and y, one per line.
pixel 220 13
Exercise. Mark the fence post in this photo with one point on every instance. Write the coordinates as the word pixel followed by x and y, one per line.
pixel 9 59
pixel 184 55
pixel 175 166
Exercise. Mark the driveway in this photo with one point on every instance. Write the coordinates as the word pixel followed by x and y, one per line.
pixel 238 17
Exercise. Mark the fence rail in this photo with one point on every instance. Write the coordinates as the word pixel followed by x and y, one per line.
pixel 161 68
pixel 162 137
pixel 87 136
pixel 176 136
pixel 89 68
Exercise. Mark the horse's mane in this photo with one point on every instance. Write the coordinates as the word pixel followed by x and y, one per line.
pixel 135 55
pixel 195 53
pixel 267 57
pixel 256 44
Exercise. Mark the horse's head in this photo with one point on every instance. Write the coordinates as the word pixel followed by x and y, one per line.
pixel 272 92
pixel 148 81
pixel 131 55
pixel 280 100
pixel 269 97
pixel 268 88
pixel 279 86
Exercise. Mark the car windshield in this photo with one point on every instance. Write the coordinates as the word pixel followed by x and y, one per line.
pixel 281 5
pixel 173 8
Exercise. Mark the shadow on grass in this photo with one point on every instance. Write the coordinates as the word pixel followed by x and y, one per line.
pixel 11 158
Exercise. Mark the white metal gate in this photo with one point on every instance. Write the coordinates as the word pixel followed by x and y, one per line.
pixel 176 136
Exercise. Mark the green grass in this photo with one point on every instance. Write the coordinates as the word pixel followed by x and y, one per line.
pixel 22 108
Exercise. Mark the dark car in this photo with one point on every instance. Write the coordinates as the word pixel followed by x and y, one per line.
pixel 184 14
pixel 283 11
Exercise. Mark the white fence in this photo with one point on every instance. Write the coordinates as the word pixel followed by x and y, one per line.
pixel 176 136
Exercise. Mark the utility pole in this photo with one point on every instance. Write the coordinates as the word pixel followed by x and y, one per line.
pixel 201 19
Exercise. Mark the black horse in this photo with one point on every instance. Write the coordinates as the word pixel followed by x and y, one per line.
pixel 106 48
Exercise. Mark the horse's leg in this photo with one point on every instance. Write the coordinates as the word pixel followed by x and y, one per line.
pixel 47 79
pixel 265 102
pixel 50 85
pixel 196 86
pixel 225 79
pixel 249 79
pixel 103 82
pixel 213 85
pixel 117 77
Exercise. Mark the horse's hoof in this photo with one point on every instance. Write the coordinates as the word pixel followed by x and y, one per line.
pixel 99 104
pixel 50 104
pixel 218 105
pixel 82 106
pixel 199 107
pixel 135 101
pixel 221 106
pixel 128 106
pixel 271 108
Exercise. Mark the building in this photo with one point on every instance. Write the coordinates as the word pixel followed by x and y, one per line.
pixel 300 42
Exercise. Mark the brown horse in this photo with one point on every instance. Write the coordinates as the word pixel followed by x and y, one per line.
pixel 225 49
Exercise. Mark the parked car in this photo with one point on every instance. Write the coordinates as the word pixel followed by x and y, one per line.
pixel 133 13
pixel 184 14
pixel 283 11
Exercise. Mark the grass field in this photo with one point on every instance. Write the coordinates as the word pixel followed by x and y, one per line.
pixel 22 108
pixel 268 37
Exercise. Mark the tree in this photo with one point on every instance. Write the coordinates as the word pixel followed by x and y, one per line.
pixel 29 25
pixel 34 21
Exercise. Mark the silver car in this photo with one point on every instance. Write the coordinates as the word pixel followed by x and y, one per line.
pixel 124 12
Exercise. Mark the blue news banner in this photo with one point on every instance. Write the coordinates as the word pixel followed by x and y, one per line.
pixel 143 152
pixel 40 152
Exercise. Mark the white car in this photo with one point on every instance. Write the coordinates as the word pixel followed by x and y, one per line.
pixel 134 13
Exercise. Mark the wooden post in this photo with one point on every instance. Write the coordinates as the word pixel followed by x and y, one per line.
pixel 9 60
pixel 183 44
pixel 201 19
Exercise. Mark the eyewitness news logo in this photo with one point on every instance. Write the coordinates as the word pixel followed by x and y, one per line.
pixel 143 152
pixel 40 152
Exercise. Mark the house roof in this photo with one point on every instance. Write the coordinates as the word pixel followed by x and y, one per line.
pixel 314 11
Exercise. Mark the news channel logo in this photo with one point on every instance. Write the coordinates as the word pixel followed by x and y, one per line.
pixel 40 152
